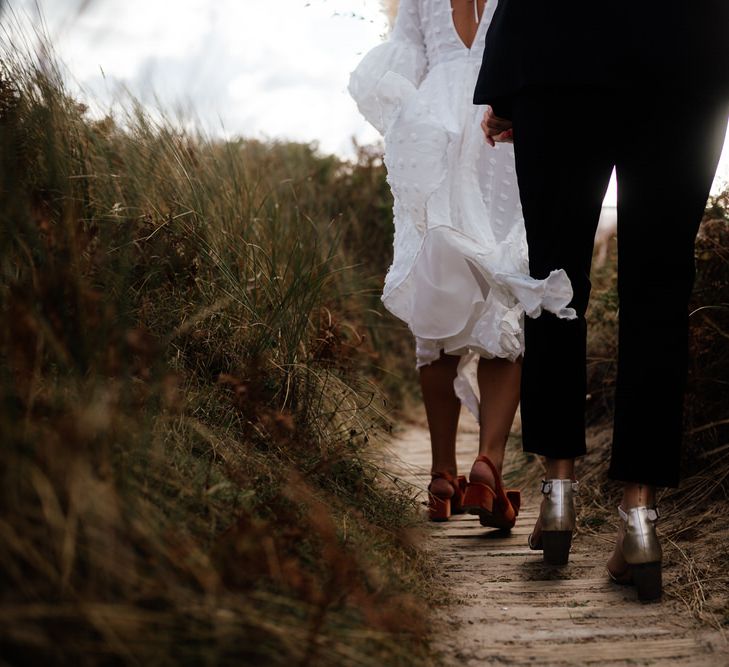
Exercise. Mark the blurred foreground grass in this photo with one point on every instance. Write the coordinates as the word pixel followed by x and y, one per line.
pixel 191 378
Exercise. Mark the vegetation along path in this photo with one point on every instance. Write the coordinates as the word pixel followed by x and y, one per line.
pixel 505 607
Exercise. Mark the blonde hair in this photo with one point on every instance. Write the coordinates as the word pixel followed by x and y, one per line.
pixel 390 7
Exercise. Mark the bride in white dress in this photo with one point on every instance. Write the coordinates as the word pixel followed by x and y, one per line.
pixel 460 276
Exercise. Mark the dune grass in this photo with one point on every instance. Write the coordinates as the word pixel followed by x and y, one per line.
pixel 191 381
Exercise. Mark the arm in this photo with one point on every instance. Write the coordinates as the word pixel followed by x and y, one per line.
pixel 391 71
pixel 408 30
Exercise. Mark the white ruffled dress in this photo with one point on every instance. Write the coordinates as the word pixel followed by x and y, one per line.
pixel 460 276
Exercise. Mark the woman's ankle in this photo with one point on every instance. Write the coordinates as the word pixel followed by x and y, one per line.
pixel 496 457
pixel 638 495
pixel 559 468
pixel 482 473
pixel 449 467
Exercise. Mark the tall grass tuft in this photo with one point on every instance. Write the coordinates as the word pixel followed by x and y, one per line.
pixel 190 384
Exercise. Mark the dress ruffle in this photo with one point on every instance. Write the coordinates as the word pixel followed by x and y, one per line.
pixel 385 79
pixel 469 297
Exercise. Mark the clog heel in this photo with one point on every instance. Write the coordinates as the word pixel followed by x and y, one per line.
pixel 495 507
pixel 442 505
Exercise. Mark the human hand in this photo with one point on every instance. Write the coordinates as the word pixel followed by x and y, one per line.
pixel 496 129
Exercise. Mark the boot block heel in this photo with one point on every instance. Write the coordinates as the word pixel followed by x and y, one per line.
pixel 556 545
pixel 647 578
pixel 439 509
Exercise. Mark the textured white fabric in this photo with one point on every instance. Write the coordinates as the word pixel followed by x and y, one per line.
pixel 459 276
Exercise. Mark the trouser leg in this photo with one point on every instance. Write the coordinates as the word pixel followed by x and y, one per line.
pixel 564 158
pixel 666 161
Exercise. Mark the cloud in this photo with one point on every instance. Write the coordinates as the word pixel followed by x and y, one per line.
pixel 254 67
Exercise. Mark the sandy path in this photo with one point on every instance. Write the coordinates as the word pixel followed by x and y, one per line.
pixel 510 609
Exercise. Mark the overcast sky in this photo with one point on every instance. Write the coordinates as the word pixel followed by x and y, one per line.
pixel 275 68
pixel 257 68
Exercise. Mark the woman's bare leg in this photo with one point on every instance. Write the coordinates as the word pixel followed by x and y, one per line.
pixel 499 382
pixel 443 408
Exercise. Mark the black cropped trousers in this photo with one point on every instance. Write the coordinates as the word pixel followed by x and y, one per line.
pixel 665 149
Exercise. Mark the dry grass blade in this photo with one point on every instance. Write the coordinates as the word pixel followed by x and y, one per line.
pixel 190 397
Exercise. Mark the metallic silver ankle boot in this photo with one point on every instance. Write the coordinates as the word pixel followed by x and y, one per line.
pixel 642 552
pixel 557 519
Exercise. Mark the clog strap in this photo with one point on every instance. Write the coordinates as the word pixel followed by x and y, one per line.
pixel 442 474
pixel 497 477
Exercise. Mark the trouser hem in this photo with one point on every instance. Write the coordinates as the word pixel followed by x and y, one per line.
pixel 551 453
pixel 649 479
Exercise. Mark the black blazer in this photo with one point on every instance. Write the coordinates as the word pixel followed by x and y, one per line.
pixel 681 46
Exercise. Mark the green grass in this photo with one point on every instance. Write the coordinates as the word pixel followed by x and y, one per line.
pixel 192 380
